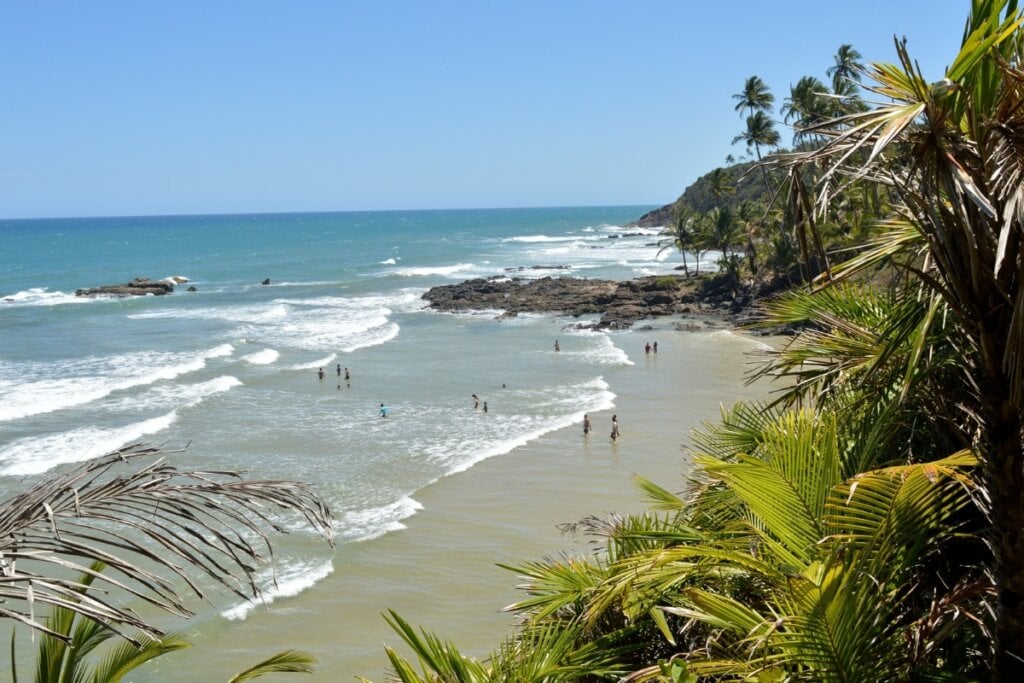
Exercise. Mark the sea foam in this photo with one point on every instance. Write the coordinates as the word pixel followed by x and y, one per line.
pixel 291 580
pixel 95 378
pixel 38 454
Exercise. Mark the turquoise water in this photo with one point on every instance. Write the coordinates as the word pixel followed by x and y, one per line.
pixel 232 368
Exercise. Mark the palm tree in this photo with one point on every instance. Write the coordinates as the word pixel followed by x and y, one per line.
pixel 755 97
pixel 808 105
pixel 151 525
pixel 846 71
pixel 760 131
pixel 950 153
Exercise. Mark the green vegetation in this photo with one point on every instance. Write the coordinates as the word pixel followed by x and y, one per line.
pixel 867 525
pixel 81 542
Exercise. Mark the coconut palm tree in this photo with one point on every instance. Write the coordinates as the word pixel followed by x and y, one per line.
pixel 847 69
pixel 152 525
pixel 760 132
pixel 808 104
pixel 755 97
pixel 950 153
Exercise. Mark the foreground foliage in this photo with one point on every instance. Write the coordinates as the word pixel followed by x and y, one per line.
pixel 153 528
pixel 866 525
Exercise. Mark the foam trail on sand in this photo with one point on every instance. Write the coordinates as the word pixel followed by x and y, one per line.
pixel 363 525
pixel 291 580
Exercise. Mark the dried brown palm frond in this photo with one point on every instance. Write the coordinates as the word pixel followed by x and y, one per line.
pixel 153 525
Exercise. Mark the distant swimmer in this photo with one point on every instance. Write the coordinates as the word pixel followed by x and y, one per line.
pixel 615 427
pixel 476 402
pixel 321 374
pixel 557 347
pixel 586 425
pixel 383 410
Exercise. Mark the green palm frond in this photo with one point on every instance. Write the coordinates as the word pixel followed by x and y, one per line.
pixel 286 661
pixel 440 660
pixel 785 486
pixel 556 586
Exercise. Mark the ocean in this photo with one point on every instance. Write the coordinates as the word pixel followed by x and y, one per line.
pixel 231 371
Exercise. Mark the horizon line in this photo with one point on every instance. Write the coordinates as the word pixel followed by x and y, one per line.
pixel 325 211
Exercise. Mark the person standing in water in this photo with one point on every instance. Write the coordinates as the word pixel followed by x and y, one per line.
pixel 557 347
pixel 586 425
pixel 383 410
pixel 321 374
pixel 615 427
pixel 339 369
pixel 476 402
pixel 347 378
pixel 485 406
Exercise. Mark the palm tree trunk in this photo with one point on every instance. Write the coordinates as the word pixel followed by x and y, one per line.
pixel 1004 474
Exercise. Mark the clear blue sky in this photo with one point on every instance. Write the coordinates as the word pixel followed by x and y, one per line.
pixel 221 106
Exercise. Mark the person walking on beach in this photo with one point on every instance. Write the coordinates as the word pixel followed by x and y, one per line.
pixel 321 375
pixel 383 410
pixel 615 427
pixel 586 425
pixel 476 402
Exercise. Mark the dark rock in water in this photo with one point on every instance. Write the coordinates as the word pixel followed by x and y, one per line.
pixel 140 286
pixel 267 281
pixel 192 289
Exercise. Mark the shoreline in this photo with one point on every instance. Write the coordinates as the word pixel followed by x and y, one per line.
pixel 440 572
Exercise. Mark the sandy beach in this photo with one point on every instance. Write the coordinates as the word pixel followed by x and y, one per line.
pixel 440 572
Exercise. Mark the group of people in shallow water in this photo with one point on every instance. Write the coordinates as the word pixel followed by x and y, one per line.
pixel 588 427
pixel 321 375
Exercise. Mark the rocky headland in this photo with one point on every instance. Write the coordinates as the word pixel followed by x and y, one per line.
pixel 620 304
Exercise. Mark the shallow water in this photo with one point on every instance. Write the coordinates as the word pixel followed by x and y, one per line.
pixel 427 500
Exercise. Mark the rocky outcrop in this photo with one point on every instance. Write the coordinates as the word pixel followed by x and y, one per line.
pixel 619 303
pixel 140 286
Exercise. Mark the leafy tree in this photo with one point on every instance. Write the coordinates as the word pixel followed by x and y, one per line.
pixel 950 153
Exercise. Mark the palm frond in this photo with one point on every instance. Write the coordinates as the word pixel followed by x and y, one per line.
pixel 154 515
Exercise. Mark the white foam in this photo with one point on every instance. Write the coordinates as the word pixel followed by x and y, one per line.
pixel 264 357
pixel 457 270
pixel 94 378
pixel 291 580
pixel 41 296
pixel 38 454
pixel 313 365
pixel 363 525
pixel 388 262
